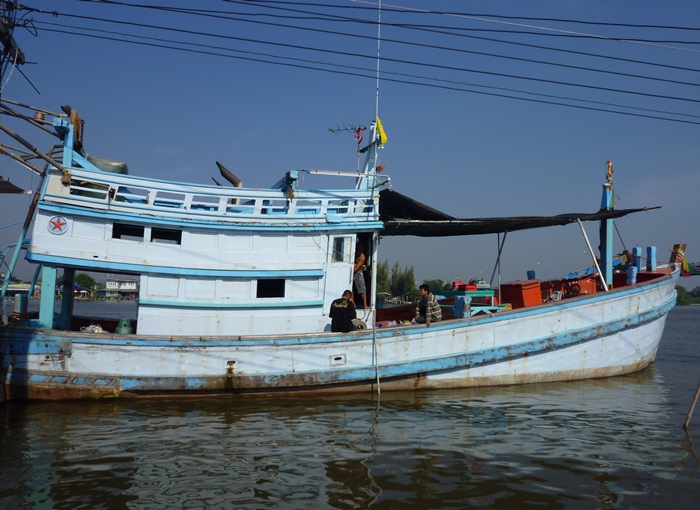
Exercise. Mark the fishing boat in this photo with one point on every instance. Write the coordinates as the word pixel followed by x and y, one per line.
pixel 236 285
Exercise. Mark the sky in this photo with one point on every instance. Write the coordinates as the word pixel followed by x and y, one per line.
pixel 492 108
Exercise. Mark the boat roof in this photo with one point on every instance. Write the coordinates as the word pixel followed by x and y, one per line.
pixel 404 216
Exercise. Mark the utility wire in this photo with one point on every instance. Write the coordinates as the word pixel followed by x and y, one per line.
pixel 395 80
pixel 327 17
pixel 341 66
pixel 401 61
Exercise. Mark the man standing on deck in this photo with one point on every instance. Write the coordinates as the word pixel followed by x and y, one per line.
pixel 427 309
pixel 342 313
pixel 358 278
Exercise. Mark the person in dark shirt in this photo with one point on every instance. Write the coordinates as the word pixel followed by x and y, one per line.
pixel 342 313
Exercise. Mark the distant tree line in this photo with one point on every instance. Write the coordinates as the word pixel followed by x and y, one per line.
pixel 401 282
pixel 688 298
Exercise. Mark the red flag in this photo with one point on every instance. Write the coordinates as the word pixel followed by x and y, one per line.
pixel 358 135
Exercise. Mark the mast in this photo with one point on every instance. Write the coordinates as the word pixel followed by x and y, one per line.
pixel 606 230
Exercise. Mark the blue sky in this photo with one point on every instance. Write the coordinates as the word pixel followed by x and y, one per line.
pixel 465 96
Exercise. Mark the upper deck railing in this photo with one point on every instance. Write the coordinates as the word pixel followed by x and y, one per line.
pixel 124 193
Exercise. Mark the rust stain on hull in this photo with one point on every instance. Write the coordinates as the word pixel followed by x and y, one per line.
pixel 228 385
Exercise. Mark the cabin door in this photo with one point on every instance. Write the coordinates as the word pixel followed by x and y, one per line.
pixel 339 268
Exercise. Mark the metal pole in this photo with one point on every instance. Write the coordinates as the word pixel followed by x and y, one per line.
pixel 20 242
pixel 692 408
pixel 33 149
pixel 595 261
pixel 375 244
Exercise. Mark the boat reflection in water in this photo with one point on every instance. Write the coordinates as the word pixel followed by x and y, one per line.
pixel 587 444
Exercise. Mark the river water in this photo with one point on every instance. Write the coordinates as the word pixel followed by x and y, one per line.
pixel 617 443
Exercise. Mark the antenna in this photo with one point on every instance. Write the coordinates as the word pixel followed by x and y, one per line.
pixel 379 40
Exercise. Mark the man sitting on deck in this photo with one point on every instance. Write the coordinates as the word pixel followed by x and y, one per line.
pixel 427 309
pixel 342 313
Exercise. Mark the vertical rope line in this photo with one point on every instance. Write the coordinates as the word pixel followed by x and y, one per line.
pixel 379 40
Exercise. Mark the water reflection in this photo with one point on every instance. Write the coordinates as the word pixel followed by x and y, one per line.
pixel 593 444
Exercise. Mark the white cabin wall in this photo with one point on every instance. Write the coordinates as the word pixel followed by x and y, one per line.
pixel 184 304
pixel 179 297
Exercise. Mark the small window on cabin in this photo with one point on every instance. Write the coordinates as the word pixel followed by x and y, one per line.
pixel 341 249
pixel 166 236
pixel 270 288
pixel 127 232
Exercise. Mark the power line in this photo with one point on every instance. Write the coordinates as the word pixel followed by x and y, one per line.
pixel 226 16
pixel 401 61
pixel 452 87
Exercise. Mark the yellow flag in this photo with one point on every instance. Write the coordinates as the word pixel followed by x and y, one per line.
pixel 380 131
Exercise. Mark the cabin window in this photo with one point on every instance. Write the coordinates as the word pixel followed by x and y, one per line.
pixel 341 249
pixel 127 232
pixel 166 236
pixel 270 288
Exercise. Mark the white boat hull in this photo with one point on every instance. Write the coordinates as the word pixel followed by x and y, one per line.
pixel 236 284
pixel 602 335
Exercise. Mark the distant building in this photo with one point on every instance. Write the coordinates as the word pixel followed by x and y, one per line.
pixel 120 288
pixel 22 288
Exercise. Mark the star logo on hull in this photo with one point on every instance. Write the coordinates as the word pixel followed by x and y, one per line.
pixel 58 225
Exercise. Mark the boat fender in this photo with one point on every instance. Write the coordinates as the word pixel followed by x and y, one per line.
pixel 359 324
pixel 124 327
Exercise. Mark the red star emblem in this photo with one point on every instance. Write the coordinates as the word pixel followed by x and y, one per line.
pixel 58 225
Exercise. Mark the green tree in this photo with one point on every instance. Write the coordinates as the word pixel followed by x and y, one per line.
pixel 687 298
pixel 85 281
pixel 684 298
pixel 383 281
pixel 403 282
pixel 437 285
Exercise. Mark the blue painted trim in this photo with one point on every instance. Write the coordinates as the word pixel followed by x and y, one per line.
pixel 590 332
pixel 220 304
pixel 330 376
pixel 293 224
pixel 531 348
pixel 180 271
pixel 322 377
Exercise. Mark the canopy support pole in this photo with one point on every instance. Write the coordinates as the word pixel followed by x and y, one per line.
pixel 497 266
pixel 595 261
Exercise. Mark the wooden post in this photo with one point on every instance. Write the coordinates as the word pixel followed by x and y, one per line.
pixel 692 408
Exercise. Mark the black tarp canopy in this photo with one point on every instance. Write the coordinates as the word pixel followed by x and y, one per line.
pixel 403 216
pixel 7 187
